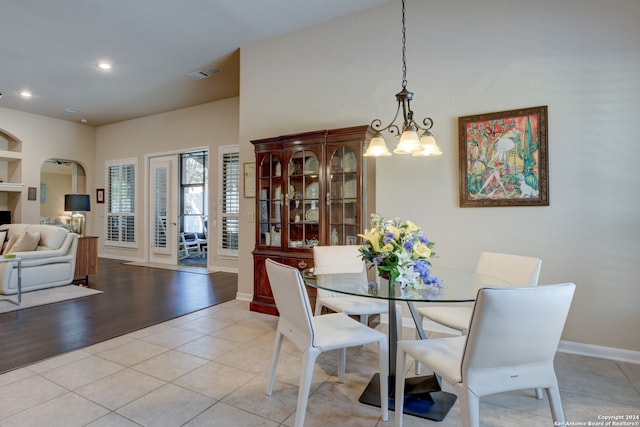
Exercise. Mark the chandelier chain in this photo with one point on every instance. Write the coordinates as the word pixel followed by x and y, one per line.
pixel 404 49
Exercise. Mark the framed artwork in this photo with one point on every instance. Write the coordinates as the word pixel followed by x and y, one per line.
pixel 249 171
pixel 503 158
pixel 99 195
pixel 32 193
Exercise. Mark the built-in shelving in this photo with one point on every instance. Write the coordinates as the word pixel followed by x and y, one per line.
pixel 11 185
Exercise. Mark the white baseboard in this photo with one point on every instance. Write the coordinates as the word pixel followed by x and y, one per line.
pixel 244 297
pixel 612 353
pixel 121 258
pixel 214 269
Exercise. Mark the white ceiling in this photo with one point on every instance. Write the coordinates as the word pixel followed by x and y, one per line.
pixel 51 47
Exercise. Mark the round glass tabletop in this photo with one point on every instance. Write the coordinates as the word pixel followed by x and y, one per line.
pixel 457 285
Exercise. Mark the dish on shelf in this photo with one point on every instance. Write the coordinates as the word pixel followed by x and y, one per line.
pixel 264 212
pixel 350 189
pixel 312 215
pixel 311 165
pixel 312 191
pixel 349 162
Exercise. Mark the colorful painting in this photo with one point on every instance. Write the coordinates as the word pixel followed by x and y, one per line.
pixel 503 158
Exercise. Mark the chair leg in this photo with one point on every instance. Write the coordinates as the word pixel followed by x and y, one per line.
pixel 383 351
pixel 319 306
pixel 553 393
pixel 401 362
pixel 342 365
pixel 470 406
pixel 418 364
pixel 308 362
pixel 274 362
pixel 539 394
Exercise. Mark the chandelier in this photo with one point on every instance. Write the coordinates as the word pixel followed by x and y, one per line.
pixel 414 139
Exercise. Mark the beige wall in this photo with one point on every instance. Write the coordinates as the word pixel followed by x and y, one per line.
pixel 580 58
pixel 56 186
pixel 205 126
pixel 43 138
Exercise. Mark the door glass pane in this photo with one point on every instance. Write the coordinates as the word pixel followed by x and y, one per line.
pixel 159 208
pixel 343 190
pixel 304 199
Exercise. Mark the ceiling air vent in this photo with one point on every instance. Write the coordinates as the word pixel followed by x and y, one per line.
pixel 199 75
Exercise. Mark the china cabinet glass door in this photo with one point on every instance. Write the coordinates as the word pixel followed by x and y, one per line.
pixel 343 196
pixel 303 199
pixel 271 201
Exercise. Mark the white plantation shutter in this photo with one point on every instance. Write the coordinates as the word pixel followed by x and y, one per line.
pixel 159 207
pixel 120 210
pixel 229 200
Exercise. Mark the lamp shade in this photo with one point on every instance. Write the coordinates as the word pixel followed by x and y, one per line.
pixel 429 147
pixel 377 147
pixel 409 142
pixel 77 202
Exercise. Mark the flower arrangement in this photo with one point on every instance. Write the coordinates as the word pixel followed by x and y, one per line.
pixel 400 251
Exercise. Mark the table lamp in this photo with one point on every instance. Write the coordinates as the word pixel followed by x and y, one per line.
pixel 77 203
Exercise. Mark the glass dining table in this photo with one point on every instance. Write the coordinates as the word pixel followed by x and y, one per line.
pixel 423 396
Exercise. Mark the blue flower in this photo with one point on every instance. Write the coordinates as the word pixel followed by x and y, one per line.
pixel 399 251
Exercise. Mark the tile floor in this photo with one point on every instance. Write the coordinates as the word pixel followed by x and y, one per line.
pixel 210 368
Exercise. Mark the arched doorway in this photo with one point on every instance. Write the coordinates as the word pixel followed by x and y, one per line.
pixel 57 178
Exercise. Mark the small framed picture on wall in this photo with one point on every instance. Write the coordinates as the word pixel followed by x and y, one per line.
pixel 99 195
pixel 32 193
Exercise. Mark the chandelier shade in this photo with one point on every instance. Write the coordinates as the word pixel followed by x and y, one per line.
pixel 377 147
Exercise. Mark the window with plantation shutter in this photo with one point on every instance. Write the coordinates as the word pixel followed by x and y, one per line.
pixel 229 200
pixel 120 221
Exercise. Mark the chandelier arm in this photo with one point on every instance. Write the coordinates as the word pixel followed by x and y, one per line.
pixel 393 129
pixel 428 124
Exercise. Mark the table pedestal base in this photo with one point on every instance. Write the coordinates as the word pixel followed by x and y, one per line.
pixel 422 397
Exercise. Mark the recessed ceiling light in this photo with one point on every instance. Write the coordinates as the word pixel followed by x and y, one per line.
pixel 26 94
pixel 104 65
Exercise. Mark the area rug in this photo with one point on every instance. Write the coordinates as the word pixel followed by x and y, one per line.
pixel 45 296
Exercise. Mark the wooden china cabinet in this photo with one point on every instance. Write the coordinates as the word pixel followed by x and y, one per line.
pixel 312 188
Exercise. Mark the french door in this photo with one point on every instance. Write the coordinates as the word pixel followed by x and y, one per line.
pixel 163 209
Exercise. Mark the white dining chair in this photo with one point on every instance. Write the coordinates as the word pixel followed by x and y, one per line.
pixel 346 259
pixel 313 335
pixel 515 270
pixel 512 340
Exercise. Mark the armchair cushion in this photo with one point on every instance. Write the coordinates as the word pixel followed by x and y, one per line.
pixel 25 242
